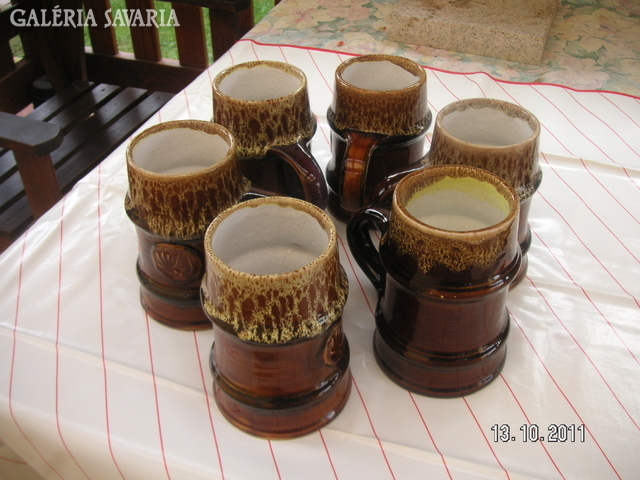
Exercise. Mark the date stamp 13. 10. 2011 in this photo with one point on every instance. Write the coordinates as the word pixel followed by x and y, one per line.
pixel 555 433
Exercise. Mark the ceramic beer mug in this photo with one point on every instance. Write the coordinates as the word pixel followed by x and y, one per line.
pixel 447 255
pixel 275 290
pixel 182 174
pixel 378 118
pixel 498 136
pixel 265 105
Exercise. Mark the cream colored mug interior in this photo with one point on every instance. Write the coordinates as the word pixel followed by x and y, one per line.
pixel 261 82
pixel 379 76
pixel 459 204
pixel 179 151
pixel 486 126
pixel 269 239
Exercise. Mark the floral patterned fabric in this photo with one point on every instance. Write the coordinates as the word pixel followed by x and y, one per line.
pixel 592 45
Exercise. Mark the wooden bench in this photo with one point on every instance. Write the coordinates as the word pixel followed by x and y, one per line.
pixel 101 96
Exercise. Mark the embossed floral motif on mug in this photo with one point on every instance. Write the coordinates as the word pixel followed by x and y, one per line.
pixel 177 262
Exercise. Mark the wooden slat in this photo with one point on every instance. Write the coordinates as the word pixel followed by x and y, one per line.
pixel 14 221
pixel 192 46
pixel 108 139
pixel 62 100
pixel 122 69
pixel 71 45
pixel 114 123
pixel 7 65
pixel 145 40
pixel 228 27
pixel 15 87
pixel 103 39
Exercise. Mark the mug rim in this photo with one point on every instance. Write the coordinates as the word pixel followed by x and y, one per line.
pixel 283 66
pixel 482 102
pixel 207 127
pixel 376 57
pixel 420 179
pixel 310 209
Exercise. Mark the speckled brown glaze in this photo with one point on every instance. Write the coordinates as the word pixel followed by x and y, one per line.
pixel 393 112
pixel 258 125
pixel 171 214
pixel 183 206
pixel 282 307
pixel 516 163
pixel 434 249
pixel 373 133
pixel 441 319
pixel 280 359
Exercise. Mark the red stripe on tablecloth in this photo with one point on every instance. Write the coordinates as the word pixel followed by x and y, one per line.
pixel 275 462
pixel 581 159
pixel 101 307
pixel 498 80
pixel 604 123
pixel 583 351
pixel 485 438
pixel 283 55
pixel 206 396
pixel 355 274
pixel 57 341
pixel 13 357
pixel 588 249
pixel 514 396
pixel 424 423
pixel 585 294
pixel 11 460
pixel 355 383
pixel 586 137
pixel 621 111
pixel 155 395
pixel 373 429
pixel 326 449
pixel 321 74
pixel 515 321
pixel 529 422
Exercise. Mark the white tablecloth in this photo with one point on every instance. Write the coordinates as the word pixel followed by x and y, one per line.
pixel 92 388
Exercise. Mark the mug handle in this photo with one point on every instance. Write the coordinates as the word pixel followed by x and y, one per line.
pixel 360 147
pixel 383 191
pixel 309 172
pixel 361 246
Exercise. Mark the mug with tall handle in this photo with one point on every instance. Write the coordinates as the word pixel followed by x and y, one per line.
pixel 447 256
pixel 265 105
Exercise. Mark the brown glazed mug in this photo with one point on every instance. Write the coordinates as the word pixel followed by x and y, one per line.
pixel 182 174
pixel 447 255
pixel 265 105
pixel 379 118
pixel 491 134
pixel 500 137
pixel 275 290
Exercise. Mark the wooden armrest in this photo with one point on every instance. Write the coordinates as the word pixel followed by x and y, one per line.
pixel 32 141
pixel 23 134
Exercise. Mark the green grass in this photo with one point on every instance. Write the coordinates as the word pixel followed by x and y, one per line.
pixel 167 34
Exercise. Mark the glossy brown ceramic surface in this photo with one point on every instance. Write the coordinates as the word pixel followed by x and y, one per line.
pixel 273 135
pixel 516 162
pixel 373 133
pixel 441 318
pixel 171 214
pixel 280 358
